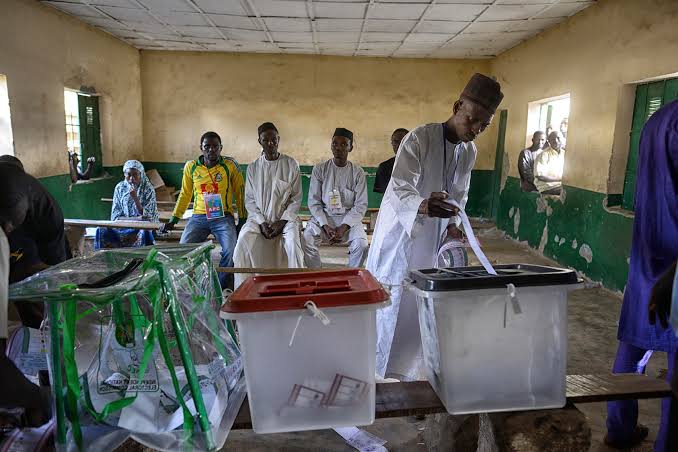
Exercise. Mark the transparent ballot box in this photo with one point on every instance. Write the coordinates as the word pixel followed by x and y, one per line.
pixel 309 346
pixel 494 343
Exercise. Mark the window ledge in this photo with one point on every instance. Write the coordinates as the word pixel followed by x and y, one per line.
pixel 617 210
pixel 92 179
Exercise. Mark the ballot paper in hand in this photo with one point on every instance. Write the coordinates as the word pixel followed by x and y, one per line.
pixel 468 230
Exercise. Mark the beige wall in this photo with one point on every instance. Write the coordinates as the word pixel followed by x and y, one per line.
pixel 41 52
pixel 593 56
pixel 185 94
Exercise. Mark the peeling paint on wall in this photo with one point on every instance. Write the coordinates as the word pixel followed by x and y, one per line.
pixel 511 212
pixel 506 163
pixel 541 204
pixel 579 220
pixel 557 238
pixel 516 221
pixel 586 252
pixel 544 238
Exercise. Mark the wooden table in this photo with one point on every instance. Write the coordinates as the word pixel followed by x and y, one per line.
pixel 75 230
pixel 418 398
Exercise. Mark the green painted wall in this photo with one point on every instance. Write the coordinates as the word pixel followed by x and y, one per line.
pixel 581 217
pixel 479 202
pixel 83 200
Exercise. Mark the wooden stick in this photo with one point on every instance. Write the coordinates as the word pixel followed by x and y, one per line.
pixel 275 271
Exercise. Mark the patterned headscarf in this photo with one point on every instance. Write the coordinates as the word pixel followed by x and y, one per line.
pixel 123 204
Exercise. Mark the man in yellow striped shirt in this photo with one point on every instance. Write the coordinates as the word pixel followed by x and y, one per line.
pixel 213 182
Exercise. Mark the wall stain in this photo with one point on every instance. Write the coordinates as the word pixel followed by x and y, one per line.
pixel 544 237
pixel 586 252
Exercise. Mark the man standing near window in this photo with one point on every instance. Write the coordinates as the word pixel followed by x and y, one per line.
pixel 548 166
pixel 211 181
pixel 526 161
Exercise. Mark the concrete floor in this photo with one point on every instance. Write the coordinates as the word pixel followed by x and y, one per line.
pixel 593 314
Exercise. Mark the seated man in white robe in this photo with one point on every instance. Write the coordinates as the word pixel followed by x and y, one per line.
pixel 271 236
pixel 337 199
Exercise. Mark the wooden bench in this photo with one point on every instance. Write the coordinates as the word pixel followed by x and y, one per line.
pixel 160 204
pixel 75 230
pixel 366 221
pixel 418 398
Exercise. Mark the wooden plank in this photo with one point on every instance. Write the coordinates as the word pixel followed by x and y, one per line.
pixel 112 224
pixel 601 388
pixel 308 218
pixel 275 271
pixel 418 397
pixel 159 203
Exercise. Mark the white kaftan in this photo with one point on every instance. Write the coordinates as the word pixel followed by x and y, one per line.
pixel 404 240
pixel 272 193
pixel 350 184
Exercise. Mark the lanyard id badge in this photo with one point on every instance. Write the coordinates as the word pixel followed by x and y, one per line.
pixel 214 208
pixel 336 206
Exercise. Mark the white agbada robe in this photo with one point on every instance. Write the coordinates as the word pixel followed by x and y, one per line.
pixel 272 192
pixel 351 184
pixel 404 240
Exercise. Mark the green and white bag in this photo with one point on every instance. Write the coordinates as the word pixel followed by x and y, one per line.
pixel 136 349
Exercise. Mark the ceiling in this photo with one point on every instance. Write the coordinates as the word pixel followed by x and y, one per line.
pixel 381 28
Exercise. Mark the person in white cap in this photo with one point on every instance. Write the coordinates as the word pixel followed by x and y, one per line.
pixel 337 199
pixel 433 166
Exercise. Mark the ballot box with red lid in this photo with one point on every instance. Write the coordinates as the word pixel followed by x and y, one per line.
pixel 309 344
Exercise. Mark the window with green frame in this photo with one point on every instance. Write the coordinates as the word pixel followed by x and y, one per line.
pixel 83 133
pixel 650 97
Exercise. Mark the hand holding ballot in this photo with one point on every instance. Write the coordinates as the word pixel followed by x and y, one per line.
pixel 436 207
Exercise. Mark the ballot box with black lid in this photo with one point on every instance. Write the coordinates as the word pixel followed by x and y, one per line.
pixel 309 347
pixel 494 342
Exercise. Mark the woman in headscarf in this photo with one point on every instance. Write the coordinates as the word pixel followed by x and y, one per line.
pixel 133 199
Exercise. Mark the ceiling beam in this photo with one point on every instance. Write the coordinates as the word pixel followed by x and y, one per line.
pixel 363 27
pixel 166 25
pixel 414 28
pixel 207 19
pixel 249 6
pixel 106 15
pixel 463 29
pixel 540 12
pixel 310 10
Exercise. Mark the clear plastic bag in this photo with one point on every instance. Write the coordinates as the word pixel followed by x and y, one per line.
pixel 136 349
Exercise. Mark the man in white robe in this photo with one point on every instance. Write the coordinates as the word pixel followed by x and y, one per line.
pixel 337 199
pixel 271 237
pixel 433 166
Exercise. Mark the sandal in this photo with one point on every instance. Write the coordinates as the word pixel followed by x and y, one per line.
pixel 638 436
